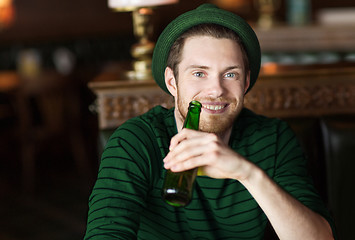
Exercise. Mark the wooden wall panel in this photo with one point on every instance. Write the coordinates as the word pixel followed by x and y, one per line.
pixel 39 20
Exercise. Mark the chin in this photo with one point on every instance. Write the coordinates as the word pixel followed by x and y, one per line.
pixel 217 124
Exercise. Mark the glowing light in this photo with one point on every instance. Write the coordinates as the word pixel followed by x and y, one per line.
pixel 7 13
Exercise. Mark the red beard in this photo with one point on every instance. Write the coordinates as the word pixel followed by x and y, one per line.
pixel 214 123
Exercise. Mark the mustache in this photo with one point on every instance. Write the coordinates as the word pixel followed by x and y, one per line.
pixel 211 99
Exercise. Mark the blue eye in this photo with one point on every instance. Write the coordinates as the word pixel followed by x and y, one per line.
pixel 199 74
pixel 230 75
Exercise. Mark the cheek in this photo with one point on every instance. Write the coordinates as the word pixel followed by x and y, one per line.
pixel 188 90
pixel 236 89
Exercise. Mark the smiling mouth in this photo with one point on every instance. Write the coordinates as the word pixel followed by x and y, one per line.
pixel 214 107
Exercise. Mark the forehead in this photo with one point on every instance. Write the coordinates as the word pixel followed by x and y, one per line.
pixel 200 48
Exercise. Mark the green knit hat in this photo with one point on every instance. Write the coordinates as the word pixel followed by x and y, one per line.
pixel 206 13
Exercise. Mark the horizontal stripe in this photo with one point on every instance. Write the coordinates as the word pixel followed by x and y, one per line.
pixel 131 176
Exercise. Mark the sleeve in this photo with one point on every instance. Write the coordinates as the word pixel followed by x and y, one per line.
pixel 292 173
pixel 118 196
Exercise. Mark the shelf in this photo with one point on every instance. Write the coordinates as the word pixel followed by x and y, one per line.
pixel 310 38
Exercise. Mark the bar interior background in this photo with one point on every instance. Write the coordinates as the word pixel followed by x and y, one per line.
pixel 50 52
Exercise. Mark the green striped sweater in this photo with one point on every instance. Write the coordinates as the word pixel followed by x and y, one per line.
pixel 126 200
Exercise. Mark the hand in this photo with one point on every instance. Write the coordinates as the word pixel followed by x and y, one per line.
pixel 190 149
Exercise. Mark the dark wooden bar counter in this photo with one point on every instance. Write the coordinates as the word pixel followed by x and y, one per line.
pixel 281 91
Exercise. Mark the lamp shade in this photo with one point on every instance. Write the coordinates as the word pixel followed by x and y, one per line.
pixel 132 4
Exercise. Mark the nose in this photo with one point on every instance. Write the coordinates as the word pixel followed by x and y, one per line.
pixel 215 87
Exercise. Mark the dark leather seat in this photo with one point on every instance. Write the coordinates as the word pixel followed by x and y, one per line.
pixel 339 146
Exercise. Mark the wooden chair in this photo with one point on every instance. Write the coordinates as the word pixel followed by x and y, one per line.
pixel 48 107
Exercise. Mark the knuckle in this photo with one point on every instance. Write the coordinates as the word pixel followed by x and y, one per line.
pixel 212 137
pixel 214 153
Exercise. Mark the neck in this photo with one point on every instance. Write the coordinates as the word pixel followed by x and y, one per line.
pixel 225 136
pixel 178 119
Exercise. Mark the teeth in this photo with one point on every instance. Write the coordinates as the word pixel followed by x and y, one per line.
pixel 213 107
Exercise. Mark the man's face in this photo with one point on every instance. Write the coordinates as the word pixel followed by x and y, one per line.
pixel 211 71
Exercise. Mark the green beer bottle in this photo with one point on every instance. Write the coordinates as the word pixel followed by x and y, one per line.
pixel 178 186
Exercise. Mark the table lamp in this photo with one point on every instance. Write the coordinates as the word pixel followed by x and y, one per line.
pixel 7 13
pixel 142 12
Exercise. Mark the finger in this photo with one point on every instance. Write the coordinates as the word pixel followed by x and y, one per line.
pixel 192 138
pixel 196 156
pixel 182 153
pixel 176 147
pixel 191 163
pixel 188 148
pixel 183 135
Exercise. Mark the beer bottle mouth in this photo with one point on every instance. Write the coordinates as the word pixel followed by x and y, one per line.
pixel 195 105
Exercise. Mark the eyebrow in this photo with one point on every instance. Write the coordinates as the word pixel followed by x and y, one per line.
pixel 206 67
pixel 234 67
pixel 198 66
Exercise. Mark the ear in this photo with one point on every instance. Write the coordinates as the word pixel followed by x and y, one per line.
pixel 247 82
pixel 170 81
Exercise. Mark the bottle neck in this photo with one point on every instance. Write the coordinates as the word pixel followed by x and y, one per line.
pixel 193 116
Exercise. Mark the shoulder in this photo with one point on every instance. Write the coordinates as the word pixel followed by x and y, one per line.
pixel 141 141
pixel 250 122
pixel 156 118
pixel 150 129
pixel 260 137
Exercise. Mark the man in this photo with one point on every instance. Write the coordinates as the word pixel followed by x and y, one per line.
pixel 252 169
